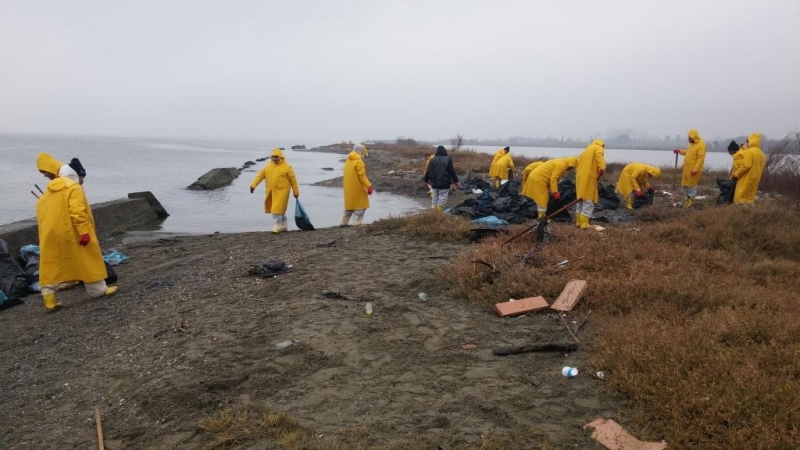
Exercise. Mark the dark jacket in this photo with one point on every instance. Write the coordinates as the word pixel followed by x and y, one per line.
pixel 441 173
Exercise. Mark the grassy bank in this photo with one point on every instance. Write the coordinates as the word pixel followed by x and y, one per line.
pixel 695 316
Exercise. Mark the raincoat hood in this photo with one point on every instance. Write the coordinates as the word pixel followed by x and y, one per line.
pixel 354 155
pixel 60 184
pixel 276 152
pixel 654 172
pixel 440 151
pixel 694 135
pixel 754 140
pixel 572 161
pixel 733 147
pixel 599 142
pixel 46 163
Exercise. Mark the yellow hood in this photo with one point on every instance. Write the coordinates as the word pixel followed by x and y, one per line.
pixel 59 184
pixel 654 172
pixel 599 142
pixel 354 155
pixel 46 163
pixel 277 152
pixel 571 161
pixel 754 140
pixel 694 135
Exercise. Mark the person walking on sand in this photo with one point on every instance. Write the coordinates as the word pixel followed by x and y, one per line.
pixel 498 154
pixel 68 242
pixel 440 175
pixel 278 177
pixel 543 182
pixel 694 158
pixel 633 181
pixel 748 174
pixel 591 166
pixel 357 188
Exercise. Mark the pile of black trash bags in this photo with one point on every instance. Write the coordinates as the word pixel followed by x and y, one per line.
pixel 14 281
pixel 507 204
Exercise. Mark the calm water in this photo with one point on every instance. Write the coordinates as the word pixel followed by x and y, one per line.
pixel 117 166
pixel 659 158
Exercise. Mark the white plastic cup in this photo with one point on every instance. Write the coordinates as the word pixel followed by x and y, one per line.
pixel 368 309
pixel 422 296
pixel 569 372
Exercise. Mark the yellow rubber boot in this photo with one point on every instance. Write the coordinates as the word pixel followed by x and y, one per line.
pixel 688 203
pixel 629 203
pixel 50 302
pixel 439 208
pixel 583 221
pixel 111 290
pixel 541 215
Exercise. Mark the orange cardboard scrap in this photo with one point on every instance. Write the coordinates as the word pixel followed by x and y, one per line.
pixel 521 306
pixel 570 295
pixel 613 437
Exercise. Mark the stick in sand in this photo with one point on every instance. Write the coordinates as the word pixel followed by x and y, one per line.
pixel 100 443
pixel 675 181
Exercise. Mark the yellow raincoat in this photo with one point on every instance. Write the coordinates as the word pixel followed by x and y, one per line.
pixel 749 172
pixel 364 152
pixel 544 180
pixel 634 176
pixel 355 183
pixel 501 167
pixel 63 216
pixel 279 178
pixel 497 155
pixel 695 156
pixel 586 172
pixel 528 169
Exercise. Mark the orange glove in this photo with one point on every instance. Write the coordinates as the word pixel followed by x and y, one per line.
pixel 369 190
pixel 677 151
pixel 85 238
pixel 601 172
pixel 557 196
pixel 639 193
pixel 694 172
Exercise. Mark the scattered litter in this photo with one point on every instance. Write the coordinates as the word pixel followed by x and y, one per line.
pixel 269 269
pixel 612 436
pixel 701 197
pixel 422 296
pixel 570 295
pixel 569 372
pixel 333 294
pixel 284 344
pixel 368 309
pixel 391 172
pixel 115 258
pixel 468 346
pixel 598 228
pixel 522 306
pixel 600 375
pixel 477 191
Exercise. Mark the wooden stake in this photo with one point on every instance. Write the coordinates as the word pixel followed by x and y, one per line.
pixel 34 194
pixel 100 443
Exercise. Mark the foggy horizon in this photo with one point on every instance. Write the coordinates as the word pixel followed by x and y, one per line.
pixel 358 70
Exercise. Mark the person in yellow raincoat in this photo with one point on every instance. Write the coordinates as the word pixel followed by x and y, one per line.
pixel 357 188
pixel 528 169
pixel 543 181
pixel 694 158
pixel 492 171
pixel 748 175
pixel 67 238
pixel 633 181
pixel 428 158
pixel 591 166
pixel 364 151
pixel 279 177
pixel 501 168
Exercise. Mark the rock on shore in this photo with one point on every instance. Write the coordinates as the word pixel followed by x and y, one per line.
pixel 215 178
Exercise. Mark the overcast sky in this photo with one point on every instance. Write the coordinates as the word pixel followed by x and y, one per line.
pixel 333 70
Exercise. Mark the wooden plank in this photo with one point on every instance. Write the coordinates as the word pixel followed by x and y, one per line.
pixel 521 306
pixel 613 437
pixel 100 443
pixel 570 295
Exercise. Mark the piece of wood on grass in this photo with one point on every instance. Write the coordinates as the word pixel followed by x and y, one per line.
pixel 522 306
pixel 570 295
pixel 613 437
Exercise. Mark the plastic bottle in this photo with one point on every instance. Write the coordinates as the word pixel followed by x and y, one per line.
pixel 569 372
pixel 368 309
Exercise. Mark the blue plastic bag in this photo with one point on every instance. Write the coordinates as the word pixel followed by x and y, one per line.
pixel 301 218
pixel 490 221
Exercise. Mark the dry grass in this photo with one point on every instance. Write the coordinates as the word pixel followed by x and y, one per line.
pixel 236 426
pixel 427 225
pixel 697 317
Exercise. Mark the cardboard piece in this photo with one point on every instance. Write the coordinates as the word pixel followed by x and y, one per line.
pixel 570 295
pixel 521 306
pixel 612 436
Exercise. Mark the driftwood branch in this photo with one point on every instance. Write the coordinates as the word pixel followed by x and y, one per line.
pixel 548 347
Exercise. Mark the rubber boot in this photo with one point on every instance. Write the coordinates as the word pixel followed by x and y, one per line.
pixel 111 290
pixel 439 208
pixel 583 221
pixel 276 227
pixel 50 302
pixel 541 215
pixel 688 203
pixel 345 220
pixel 358 220
pixel 629 203
pixel 284 224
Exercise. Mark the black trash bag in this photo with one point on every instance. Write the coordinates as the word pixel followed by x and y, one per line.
pixel 31 261
pixel 645 200
pixel 509 188
pixel 726 190
pixel 567 190
pixel 6 303
pixel 111 275
pixel 301 218
pixel 608 196
pixel 479 234
pixel 14 282
pixel 269 269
